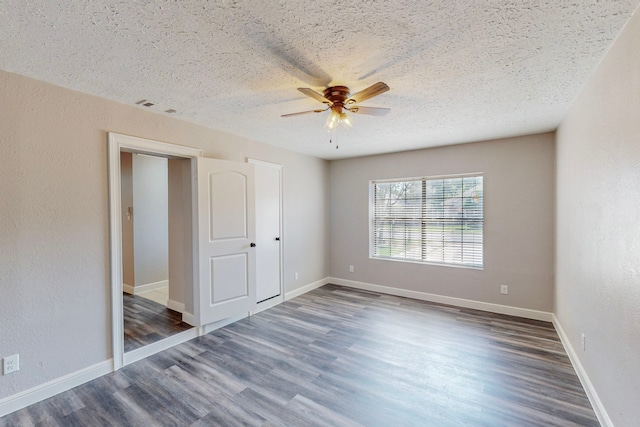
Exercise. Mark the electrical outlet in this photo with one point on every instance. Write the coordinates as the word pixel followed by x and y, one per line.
pixel 11 364
pixel 504 289
pixel 583 341
pixel 351 269
pixel 296 275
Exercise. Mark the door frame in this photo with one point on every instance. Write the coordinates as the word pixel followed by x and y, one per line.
pixel 116 144
pixel 280 298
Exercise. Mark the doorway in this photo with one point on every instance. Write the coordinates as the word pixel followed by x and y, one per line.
pixel 211 240
pixel 152 304
pixel 179 235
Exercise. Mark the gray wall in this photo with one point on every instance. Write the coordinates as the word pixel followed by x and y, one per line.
pixel 145 240
pixel 150 219
pixel 126 191
pixel 519 225
pixel 180 243
pixel 54 220
pixel 598 218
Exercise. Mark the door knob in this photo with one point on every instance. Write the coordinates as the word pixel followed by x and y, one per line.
pixel 253 245
pixel 277 238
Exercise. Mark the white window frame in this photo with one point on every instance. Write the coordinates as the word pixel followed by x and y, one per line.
pixel 419 261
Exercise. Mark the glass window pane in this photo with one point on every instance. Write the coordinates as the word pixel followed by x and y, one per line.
pixel 431 220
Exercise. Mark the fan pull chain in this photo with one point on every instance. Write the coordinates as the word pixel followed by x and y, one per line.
pixel 331 137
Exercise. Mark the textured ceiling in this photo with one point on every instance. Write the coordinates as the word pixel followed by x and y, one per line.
pixel 459 71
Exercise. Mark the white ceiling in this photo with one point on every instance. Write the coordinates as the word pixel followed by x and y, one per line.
pixel 459 71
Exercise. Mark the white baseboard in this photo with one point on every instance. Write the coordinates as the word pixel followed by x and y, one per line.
pixel 175 306
pixel 598 407
pixel 458 302
pixel 188 318
pixel 138 289
pixel 49 389
pixel 158 346
pixel 306 288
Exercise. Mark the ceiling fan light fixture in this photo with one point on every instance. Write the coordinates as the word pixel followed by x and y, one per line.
pixel 336 118
pixel 333 120
pixel 346 120
pixel 339 100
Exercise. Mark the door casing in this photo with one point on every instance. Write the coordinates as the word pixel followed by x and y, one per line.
pixel 116 144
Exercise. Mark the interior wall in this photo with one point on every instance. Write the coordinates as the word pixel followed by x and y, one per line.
pixel 598 221
pixel 54 251
pixel 518 229
pixel 180 236
pixel 126 191
pixel 150 220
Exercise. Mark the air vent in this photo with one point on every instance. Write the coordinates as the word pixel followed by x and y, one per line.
pixel 145 103
pixel 149 104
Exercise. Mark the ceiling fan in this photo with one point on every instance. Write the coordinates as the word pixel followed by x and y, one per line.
pixel 339 100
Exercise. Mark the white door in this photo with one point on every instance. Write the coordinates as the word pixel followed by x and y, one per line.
pixel 268 231
pixel 226 234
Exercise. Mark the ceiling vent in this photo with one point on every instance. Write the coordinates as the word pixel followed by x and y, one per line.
pixel 149 104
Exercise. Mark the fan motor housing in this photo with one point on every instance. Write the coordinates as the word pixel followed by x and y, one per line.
pixel 337 94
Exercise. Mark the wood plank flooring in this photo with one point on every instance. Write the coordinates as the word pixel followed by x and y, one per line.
pixel 146 321
pixel 340 357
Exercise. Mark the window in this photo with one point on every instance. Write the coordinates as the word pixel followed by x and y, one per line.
pixel 431 220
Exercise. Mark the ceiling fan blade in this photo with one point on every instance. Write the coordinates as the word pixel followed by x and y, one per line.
pixel 372 111
pixel 315 95
pixel 303 112
pixel 370 92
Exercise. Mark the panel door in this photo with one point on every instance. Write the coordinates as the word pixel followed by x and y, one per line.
pixel 268 238
pixel 226 232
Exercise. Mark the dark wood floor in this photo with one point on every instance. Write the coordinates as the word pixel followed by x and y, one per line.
pixel 340 357
pixel 146 321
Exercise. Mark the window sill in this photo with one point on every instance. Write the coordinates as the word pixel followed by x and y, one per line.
pixel 437 264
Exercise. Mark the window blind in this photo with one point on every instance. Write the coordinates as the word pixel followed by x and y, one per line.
pixel 437 220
